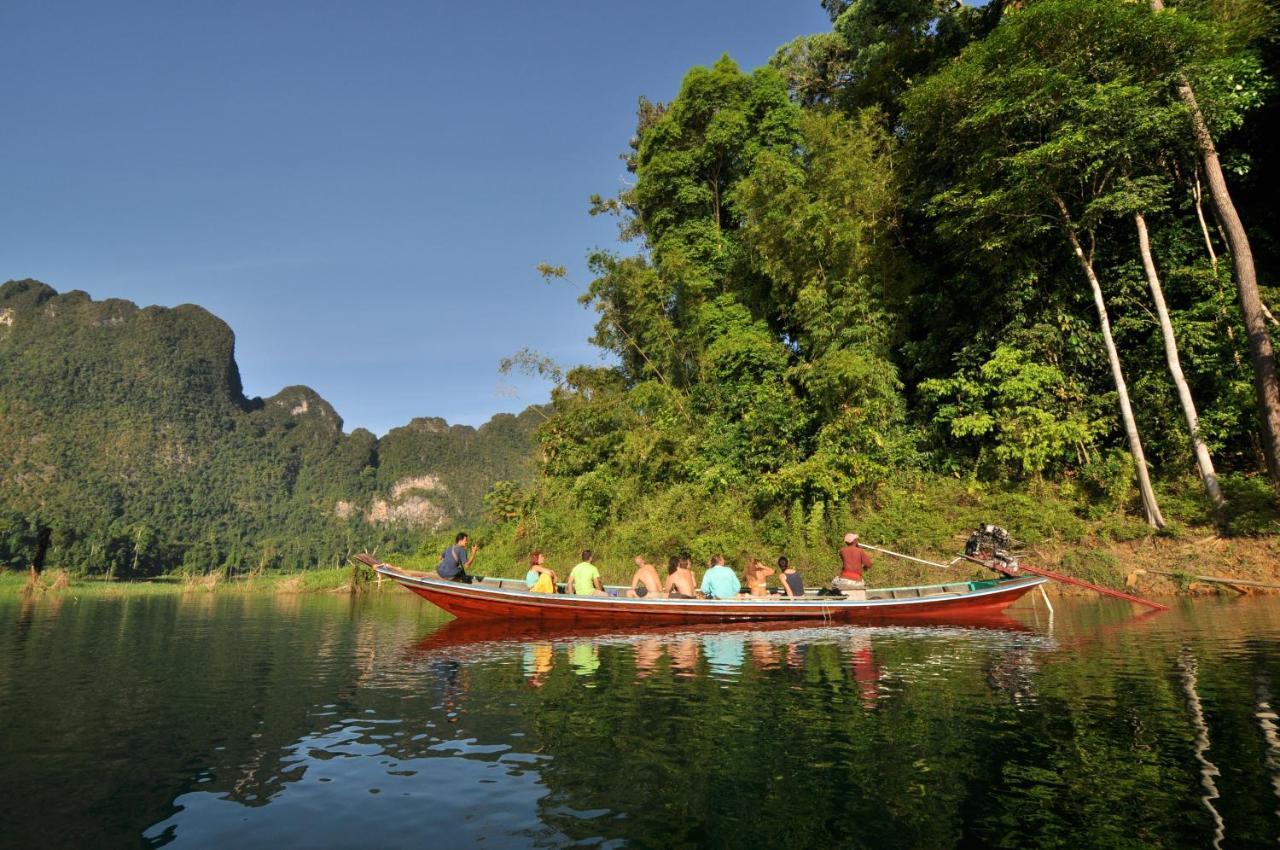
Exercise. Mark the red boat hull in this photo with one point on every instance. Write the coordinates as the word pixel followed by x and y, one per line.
pixel 482 602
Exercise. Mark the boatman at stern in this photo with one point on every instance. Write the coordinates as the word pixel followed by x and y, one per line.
pixel 853 560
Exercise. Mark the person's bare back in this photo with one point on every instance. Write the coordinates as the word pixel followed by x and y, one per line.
pixel 756 575
pixel 682 582
pixel 645 579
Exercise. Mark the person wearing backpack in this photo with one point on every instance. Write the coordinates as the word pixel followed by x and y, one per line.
pixel 455 560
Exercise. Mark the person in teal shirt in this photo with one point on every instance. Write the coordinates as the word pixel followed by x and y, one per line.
pixel 720 582
pixel 584 580
pixel 537 570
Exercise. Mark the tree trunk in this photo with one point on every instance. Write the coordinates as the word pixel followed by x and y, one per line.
pixel 1204 226
pixel 1203 462
pixel 1266 379
pixel 1149 506
pixel 1213 265
pixel 43 538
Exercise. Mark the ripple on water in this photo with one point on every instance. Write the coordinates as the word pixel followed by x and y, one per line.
pixel 335 723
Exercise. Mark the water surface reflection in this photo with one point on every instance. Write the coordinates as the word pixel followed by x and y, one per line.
pixel 329 723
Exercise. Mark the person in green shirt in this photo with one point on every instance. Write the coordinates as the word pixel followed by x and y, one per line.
pixel 584 579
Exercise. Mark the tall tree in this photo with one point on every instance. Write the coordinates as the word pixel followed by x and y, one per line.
pixel 1204 463
pixel 687 162
pixel 1035 124
pixel 1150 506
pixel 1266 376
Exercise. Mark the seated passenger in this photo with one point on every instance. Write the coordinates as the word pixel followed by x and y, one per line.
pixel 645 581
pixel 455 560
pixel 540 579
pixel 584 579
pixel 679 584
pixel 757 575
pixel 792 582
pixel 720 582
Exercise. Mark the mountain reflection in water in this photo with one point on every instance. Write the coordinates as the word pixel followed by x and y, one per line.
pixel 328 723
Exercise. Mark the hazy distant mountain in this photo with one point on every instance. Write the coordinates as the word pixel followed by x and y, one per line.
pixel 129 439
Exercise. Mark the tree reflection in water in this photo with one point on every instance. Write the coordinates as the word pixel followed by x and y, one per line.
pixel 1208 770
pixel 334 723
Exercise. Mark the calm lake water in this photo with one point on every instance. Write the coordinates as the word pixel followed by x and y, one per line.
pixel 215 720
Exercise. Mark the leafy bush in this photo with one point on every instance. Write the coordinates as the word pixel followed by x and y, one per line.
pixel 1091 565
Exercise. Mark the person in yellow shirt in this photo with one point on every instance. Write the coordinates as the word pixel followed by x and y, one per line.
pixel 584 579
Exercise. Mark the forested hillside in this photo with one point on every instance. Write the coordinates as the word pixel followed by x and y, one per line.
pixel 129 443
pixel 939 262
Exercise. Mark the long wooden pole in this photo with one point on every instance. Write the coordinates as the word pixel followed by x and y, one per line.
pixel 1215 579
pixel 1066 579
pixel 908 557
pixel 1050 574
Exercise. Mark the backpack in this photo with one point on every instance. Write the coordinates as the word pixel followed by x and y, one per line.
pixel 449 565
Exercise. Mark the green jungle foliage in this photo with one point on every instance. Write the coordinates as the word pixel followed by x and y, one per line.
pixel 846 294
pixel 846 280
pixel 129 442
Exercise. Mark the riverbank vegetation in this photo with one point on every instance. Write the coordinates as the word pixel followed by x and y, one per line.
pixel 937 266
pixel 59 582
pixel 940 265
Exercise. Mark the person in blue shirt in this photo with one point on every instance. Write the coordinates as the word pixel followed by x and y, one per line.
pixel 720 582
pixel 455 560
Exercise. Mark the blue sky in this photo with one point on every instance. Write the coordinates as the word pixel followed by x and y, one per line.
pixel 361 190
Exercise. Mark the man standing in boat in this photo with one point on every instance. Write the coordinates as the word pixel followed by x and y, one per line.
pixel 455 560
pixel 853 560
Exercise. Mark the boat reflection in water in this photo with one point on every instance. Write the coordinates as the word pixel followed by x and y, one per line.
pixel 731 650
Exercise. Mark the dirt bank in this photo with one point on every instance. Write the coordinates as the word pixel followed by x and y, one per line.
pixel 1163 567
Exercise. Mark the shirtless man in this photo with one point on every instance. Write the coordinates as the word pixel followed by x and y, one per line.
pixel 680 583
pixel 645 581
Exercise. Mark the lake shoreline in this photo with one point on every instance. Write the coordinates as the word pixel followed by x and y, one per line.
pixel 1149 567
pixel 56 581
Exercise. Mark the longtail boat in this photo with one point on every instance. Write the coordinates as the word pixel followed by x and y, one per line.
pixel 510 599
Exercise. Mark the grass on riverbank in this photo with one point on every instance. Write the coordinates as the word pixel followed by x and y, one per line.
pixel 57 581
pixel 1062 526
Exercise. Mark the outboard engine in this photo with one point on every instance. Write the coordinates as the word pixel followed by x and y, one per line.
pixel 992 543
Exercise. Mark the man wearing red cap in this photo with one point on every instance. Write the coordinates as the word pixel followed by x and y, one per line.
pixel 853 561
